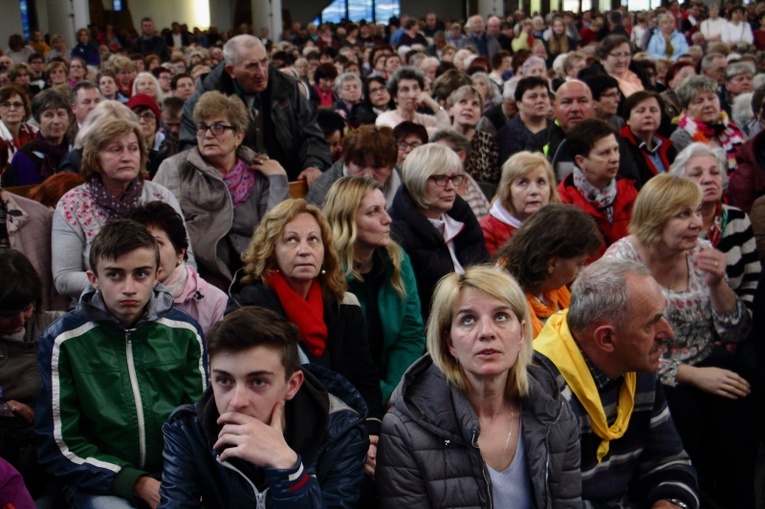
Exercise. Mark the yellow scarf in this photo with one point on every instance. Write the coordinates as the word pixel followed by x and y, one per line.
pixel 557 344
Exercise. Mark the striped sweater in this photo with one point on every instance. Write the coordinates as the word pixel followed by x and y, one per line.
pixel 740 248
pixel 648 463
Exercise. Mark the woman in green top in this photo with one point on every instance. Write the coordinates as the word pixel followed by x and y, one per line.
pixel 379 274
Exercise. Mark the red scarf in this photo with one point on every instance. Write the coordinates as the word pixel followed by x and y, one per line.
pixel 307 314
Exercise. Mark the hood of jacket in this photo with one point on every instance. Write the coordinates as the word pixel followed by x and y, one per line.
pixel 92 306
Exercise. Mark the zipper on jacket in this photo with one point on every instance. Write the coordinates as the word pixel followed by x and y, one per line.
pixel 487 479
pixel 548 501
pixel 137 399
pixel 260 497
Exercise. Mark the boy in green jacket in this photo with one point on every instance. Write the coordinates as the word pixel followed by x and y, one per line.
pixel 112 372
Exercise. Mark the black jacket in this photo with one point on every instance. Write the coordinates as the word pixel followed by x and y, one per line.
pixel 428 455
pixel 290 130
pixel 331 449
pixel 425 245
pixel 347 353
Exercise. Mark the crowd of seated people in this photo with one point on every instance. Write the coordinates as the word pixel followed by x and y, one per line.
pixel 487 262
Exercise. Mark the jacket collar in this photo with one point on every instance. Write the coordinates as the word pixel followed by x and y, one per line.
pixel 92 305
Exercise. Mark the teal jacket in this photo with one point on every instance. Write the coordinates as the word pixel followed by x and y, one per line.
pixel 106 391
pixel 403 331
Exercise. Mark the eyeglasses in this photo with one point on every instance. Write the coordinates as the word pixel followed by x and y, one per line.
pixel 215 129
pixel 404 145
pixel 376 90
pixel 440 180
pixel 12 105
pixel 147 116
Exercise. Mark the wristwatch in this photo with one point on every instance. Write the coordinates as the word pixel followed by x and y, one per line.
pixel 678 503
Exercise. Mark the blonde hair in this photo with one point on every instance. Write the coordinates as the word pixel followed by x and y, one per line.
pixel 100 135
pixel 661 198
pixel 520 165
pixel 340 207
pixel 422 163
pixel 497 284
pixel 260 257
pixel 102 111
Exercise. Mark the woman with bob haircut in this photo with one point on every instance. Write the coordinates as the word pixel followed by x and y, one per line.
pixel 436 227
pixel 369 151
pixel 465 105
pixel 375 101
pixel 40 158
pixel 710 403
pixel 704 121
pixel 407 88
pixel 545 256
pixel 527 184
pixel 114 169
pixel 14 110
pixel 727 228
pixel 475 418
pixel 192 294
pixel 224 187
pixel 614 57
pixel 22 321
pixel 291 267
pixel 380 274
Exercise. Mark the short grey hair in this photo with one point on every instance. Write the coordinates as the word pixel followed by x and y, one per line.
pixel 508 91
pixel 495 98
pixel 346 76
pixel 531 61
pixel 734 70
pixel 601 294
pixel 708 61
pixel 404 73
pixel 235 45
pixel 698 149
pixel 693 86
pixel 424 162
pixel 455 140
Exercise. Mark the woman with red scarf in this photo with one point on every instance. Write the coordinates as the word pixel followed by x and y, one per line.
pixel 703 121
pixel 292 268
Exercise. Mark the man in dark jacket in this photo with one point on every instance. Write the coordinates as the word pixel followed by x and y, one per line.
pixel 267 430
pixel 283 122
pixel 150 43
pixel 606 348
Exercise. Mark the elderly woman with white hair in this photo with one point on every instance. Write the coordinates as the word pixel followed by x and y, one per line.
pixel 727 228
pixel 348 89
pixel 704 121
pixel 534 66
pixel 436 228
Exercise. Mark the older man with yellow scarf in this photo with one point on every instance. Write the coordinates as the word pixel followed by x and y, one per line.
pixel 605 352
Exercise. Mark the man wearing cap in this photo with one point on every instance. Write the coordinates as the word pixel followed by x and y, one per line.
pixel 283 122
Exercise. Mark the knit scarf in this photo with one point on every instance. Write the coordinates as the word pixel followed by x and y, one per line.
pixel 559 299
pixel 52 155
pixel 726 132
pixel 240 183
pixel 116 206
pixel 602 199
pixel 307 314
pixel 558 345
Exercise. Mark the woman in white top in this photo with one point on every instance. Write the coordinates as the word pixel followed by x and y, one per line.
pixel 406 87
pixel 712 27
pixel 737 30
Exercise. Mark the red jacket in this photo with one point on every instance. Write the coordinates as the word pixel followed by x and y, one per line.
pixel 748 181
pixel 625 198
pixel 495 233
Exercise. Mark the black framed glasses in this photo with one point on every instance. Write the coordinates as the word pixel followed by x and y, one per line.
pixel 440 180
pixel 215 129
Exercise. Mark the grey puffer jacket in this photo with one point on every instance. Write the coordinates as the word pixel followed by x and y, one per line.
pixel 428 454
pixel 209 212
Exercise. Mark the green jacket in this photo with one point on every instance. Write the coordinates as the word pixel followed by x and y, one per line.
pixel 106 391
pixel 403 331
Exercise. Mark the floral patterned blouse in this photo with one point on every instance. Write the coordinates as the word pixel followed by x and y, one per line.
pixel 697 326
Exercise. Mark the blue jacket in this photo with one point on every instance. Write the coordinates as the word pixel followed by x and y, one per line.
pixel 657 46
pixel 324 426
